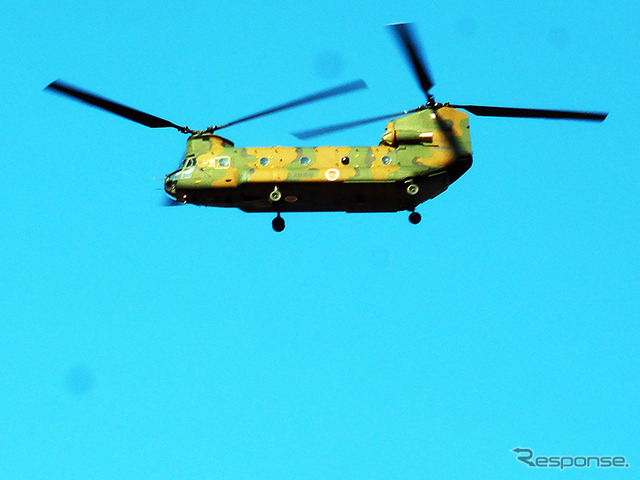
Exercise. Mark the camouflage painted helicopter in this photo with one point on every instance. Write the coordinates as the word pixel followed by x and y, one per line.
pixel 422 152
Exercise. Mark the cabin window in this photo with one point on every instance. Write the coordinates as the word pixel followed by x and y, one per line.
pixel 305 161
pixel 386 160
pixel 264 161
pixel 222 162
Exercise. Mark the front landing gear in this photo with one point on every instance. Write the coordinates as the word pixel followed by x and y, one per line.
pixel 278 223
pixel 415 217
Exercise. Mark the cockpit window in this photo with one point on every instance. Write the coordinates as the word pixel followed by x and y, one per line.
pixel 187 162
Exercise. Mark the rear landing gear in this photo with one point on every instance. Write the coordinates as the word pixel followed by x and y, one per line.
pixel 278 223
pixel 415 217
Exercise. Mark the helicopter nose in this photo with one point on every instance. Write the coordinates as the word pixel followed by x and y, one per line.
pixel 170 185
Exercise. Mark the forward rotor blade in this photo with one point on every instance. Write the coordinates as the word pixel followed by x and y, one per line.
pixel 331 92
pixel 130 113
pixel 316 132
pixel 170 202
pixel 407 39
pixel 486 111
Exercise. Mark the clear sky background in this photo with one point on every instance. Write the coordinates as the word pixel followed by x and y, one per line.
pixel 146 342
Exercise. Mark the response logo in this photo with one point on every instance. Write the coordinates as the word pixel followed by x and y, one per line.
pixel 526 456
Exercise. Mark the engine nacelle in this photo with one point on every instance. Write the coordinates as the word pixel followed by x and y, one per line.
pixel 395 137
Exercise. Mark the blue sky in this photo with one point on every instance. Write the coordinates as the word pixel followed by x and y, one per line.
pixel 148 342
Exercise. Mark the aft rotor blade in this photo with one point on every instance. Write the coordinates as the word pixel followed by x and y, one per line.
pixel 331 92
pixel 316 132
pixel 407 39
pixel 109 105
pixel 453 141
pixel 486 111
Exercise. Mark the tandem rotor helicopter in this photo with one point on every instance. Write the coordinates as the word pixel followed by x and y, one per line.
pixel 422 152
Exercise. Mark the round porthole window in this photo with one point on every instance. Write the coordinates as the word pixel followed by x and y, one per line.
pixel 386 160
pixel 223 162
pixel 305 161
pixel 264 161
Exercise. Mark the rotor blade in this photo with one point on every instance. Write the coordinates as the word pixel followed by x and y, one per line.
pixel 446 129
pixel 407 39
pixel 130 113
pixel 486 111
pixel 170 202
pixel 316 132
pixel 331 92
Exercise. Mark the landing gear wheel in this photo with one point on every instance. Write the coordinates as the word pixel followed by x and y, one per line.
pixel 275 195
pixel 412 189
pixel 415 217
pixel 278 223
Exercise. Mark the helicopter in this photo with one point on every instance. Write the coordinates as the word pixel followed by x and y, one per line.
pixel 421 153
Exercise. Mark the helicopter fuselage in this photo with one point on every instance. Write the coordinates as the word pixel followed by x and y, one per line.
pixel 414 162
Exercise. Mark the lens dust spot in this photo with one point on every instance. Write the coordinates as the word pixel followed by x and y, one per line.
pixel 559 37
pixel 328 64
pixel 79 380
pixel 467 26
